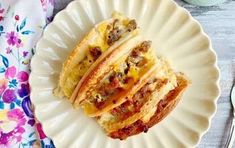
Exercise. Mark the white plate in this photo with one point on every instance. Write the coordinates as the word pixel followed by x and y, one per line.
pixel 175 35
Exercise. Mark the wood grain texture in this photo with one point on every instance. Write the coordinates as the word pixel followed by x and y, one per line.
pixel 219 23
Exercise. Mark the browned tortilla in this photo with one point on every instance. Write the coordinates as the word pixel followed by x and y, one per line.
pixel 164 107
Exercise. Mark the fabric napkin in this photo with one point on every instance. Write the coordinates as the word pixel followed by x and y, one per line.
pixel 21 25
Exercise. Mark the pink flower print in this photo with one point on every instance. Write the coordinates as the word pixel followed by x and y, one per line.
pixel 9 96
pixel 40 131
pixel 11 127
pixel 13 39
pixel 21 76
pixel 15 82
pixel 10 72
pixel 8 50
pixel 17 115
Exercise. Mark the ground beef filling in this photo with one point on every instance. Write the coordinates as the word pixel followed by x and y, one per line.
pixel 116 30
pixel 95 52
pixel 132 129
pixel 138 126
pixel 112 87
pixel 116 81
pixel 142 48
pixel 136 57
pixel 134 105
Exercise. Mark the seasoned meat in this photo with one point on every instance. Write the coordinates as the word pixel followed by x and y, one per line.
pixel 115 32
pixel 122 112
pixel 145 46
pixel 111 87
pixel 106 92
pixel 95 52
pixel 113 36
pixel 125 81
pixel 136 127
pixel 145 89
pixel 135 53
pixel 161 105
pixel 114 81
pixel 136 57
pixel 132 25
pixel 99 105
pixel 134 105
pixel 140 126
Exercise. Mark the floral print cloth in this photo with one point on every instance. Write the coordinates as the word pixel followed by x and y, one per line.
pixel 21 25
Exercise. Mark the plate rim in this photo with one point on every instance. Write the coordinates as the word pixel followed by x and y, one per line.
pixel 210 48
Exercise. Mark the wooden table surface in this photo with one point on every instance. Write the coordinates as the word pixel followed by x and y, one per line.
pixel 219 23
